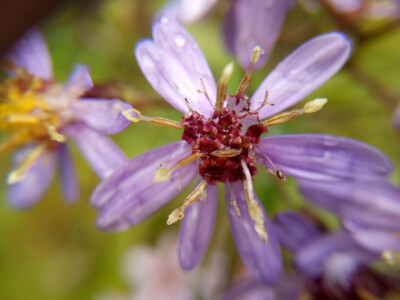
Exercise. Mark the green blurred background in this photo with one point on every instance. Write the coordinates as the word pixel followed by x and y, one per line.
pixel 54 251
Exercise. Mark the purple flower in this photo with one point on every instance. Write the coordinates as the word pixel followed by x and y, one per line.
pixel 289 287
pixel 334 264
pixel 222 143
pixel 370 210
pixel 247 24
pixel 41 115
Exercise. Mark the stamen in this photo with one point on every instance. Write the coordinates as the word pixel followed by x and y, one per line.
pixel 255 56
pixel 226 152
pixel 310 107
pixel 188 105
pixel 275 171
pixel 127 113
pixel 54 135
pixel 179 213
pixel 31 157
pixel 255 210
pixel 234 204
pixel 21 119
pixel 391 257
pixel 314 105
pixel 222 86
pixel 163 174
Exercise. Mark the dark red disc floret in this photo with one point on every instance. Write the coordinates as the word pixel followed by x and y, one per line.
pixel 228 129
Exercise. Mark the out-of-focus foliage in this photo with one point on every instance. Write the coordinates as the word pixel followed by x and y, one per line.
pixel 54 250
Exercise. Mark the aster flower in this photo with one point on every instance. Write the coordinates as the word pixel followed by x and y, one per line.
pixel 41 115
pixel 247 24
pixel 362 8
pixel 369 210
pixel 222 142
pixel 333 264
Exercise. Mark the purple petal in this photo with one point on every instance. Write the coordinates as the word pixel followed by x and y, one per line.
pixel 250 290
pixel 302 72
pixel 377 241
pixel 362 205
pixel 100 151
pixel 323 157
pixel 263 260
pixel 313 258
pixel 347 6
pixel 103 115
pixel 28 191
pixel 79 81
pixel 294 229
pixel 187 11
pixel 251 23
pixel 174 65
pixel 289 287
pixel 129 195
pixel 196 229
pixel 32 54
pixel 68 174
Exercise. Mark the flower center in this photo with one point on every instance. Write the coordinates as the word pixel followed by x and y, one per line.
pixel 224 140
pixel 25 112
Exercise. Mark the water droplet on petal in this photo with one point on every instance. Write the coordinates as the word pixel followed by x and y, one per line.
pixel 179 40
pixel 147 63
pixel 330 141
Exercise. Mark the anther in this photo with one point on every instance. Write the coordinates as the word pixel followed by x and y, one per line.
pixel 310 107
pixel 255 56
pixel 127 113
pixel 179 213
pixel 226 152
pixel 188 105
pixel 54 135
pixel 31 157
pixel 255 210
pixel 163 174
pixel 391 257
pixel 222 86
pixel 280 175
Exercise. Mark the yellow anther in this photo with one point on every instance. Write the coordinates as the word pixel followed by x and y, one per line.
pixel 226 152
pixel 255 210
pixel 255 56
pixel 127 113
pixel 314 105
pixel 282 117
pixel 391 257
pixel 163 174
pixel 236 207
pixel 31 157
pixel 179 213
pixel 222 86
pixel 54 135
pixel 310 107
pixel 176 215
